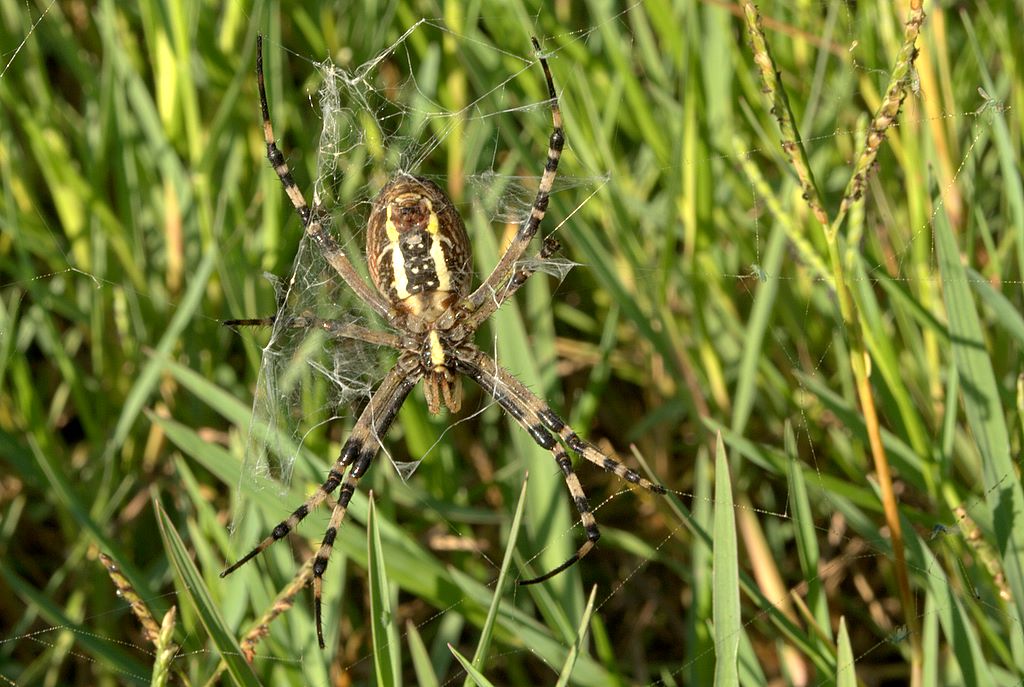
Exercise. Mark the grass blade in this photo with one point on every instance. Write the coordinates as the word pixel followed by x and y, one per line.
pixel 472 673
pixel 846 675
pixel 192 582
pixel 983 406
pixel 581 638
pixel 386 657
pixel 421 663
pixel 727 618
pixel 499 587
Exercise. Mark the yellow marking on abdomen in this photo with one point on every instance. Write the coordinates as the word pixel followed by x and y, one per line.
pixel 399 277
pixel 444 280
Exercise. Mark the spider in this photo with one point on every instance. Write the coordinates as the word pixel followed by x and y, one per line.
pixel 419 261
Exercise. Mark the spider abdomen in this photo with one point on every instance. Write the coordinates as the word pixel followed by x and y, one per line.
pixel 417 247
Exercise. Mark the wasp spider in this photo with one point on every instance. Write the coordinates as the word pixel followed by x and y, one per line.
pixel 420 264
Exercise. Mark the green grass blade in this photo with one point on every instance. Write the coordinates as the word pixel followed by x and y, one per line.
pixel 964 642
pixel 482 647
pixel 577 646
pixel 146 382
pixel 386 647
pixel 757 327
pixel 727 618
pixel 806 537
pixel 846 674
pixel 1005 314
pixel 1012 187
pixel 475 675
pixel 985 414
pixel 421 663
pixel 543 641
pixel 192 582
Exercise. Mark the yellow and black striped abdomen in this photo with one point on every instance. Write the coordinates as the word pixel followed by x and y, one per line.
pixel 418 251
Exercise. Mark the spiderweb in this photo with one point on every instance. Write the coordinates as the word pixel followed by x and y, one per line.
pixel 371 131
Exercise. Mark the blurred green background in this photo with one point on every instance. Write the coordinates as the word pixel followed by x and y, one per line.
pixel 137 211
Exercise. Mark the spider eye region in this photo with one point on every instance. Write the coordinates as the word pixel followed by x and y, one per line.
pixel 418 250
pixel 411 214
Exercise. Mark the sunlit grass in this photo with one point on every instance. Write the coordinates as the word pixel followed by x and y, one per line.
pixel 137 212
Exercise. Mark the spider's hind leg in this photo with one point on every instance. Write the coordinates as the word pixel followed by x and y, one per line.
pixel 356 455
pixel 590 452
pixel 579 498
pixel 543 424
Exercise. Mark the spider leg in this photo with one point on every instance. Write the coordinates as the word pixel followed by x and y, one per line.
pixel 251 322
pixel 494 287
pixel 525 412
pixel 551 421
pixel 537 418
pixel 312 219
pixel 524 270
pixel 363 444
pixel 336 328
pixel 344 330
pixel 358 452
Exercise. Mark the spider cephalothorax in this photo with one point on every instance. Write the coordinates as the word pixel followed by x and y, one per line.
pixel 419 261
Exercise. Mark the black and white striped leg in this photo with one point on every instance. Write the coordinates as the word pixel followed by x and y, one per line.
pixel 506 267
pixel 524 270
pixel 483 370
pixel 312 217
pixel 358 452
pixel 336 328
pixel 337 517
pixel 363 447
pixel 554 423
pixel 579 498
pixel 281 530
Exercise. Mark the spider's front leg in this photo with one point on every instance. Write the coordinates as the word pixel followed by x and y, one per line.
pixel 312 218
pixel 493 289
